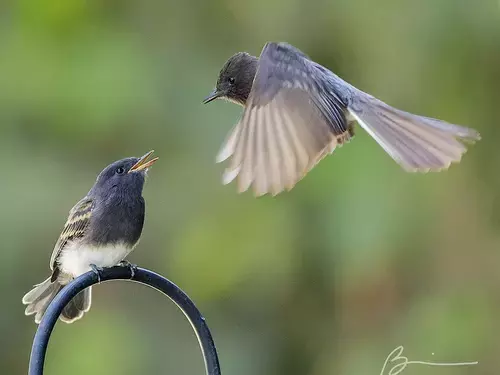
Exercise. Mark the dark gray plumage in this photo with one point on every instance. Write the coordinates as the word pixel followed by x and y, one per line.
pixel 296 112
pixel 101 230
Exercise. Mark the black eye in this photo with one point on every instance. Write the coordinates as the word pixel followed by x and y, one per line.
pixel 120 170
pixel 231 80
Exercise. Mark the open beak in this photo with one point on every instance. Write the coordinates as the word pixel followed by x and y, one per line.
pixel 143 163
pixel 213 95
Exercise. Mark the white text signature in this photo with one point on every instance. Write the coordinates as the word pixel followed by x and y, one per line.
pixel 398 361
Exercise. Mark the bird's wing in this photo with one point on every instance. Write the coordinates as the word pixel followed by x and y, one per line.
pixel 292 119
pixel 75 227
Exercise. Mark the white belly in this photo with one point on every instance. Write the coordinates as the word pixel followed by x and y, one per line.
pixel 76 258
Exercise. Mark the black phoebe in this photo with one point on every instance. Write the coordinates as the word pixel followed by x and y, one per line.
pixel 296 112
pixel 101 230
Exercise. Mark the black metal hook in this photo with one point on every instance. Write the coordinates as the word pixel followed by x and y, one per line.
pixel 142 276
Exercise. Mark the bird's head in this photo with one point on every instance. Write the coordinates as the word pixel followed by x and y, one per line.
pixel 127 174
pixel 235 79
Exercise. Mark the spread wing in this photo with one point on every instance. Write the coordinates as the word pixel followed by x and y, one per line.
pixel 292 119
pixel 75 227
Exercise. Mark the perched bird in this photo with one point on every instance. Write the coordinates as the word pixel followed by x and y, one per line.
pixel 101 230
pixel 296 112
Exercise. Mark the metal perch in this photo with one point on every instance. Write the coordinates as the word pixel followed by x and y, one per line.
pixel 139 275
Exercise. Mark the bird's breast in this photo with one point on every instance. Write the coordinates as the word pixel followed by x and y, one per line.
pixel 120 220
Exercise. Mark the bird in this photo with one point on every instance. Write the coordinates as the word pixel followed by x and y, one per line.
pixel 296 112
pixel 101 230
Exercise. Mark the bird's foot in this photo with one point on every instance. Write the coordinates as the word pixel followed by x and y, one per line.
pixel 132 267
pixel 97 271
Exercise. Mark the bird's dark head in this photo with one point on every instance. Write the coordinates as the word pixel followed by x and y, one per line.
pixel 235 79
pixel 126 175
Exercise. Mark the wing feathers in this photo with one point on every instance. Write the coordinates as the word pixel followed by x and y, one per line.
pixel 76 224
pixel 274 145
pixel 229 144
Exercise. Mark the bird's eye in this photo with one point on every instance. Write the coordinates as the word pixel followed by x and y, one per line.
pixel 120 170
pixel 231 80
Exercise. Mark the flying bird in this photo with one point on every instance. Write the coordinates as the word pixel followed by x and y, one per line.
pixel 101 230
pixel 296 112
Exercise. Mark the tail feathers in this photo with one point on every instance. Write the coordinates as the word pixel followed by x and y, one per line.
pixel 79 305
pixel 39 298
pixel 417 143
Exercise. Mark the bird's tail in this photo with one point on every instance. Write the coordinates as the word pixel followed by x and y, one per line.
pixel 39 298
pixel 417 143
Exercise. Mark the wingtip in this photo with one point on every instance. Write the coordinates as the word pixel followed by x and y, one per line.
pixel 223 155
pixel 230 174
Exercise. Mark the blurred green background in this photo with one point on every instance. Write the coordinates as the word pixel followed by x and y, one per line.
pixel 358 259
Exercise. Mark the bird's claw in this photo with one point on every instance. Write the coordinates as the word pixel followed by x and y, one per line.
pixel 132 267
pixel 97 271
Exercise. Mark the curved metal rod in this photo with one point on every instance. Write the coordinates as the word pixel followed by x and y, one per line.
pixel 142 276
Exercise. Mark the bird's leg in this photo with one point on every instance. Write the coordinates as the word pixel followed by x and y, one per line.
pixel 130 266
pixel 97 271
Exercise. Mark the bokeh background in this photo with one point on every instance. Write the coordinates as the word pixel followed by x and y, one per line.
pixel 329 278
